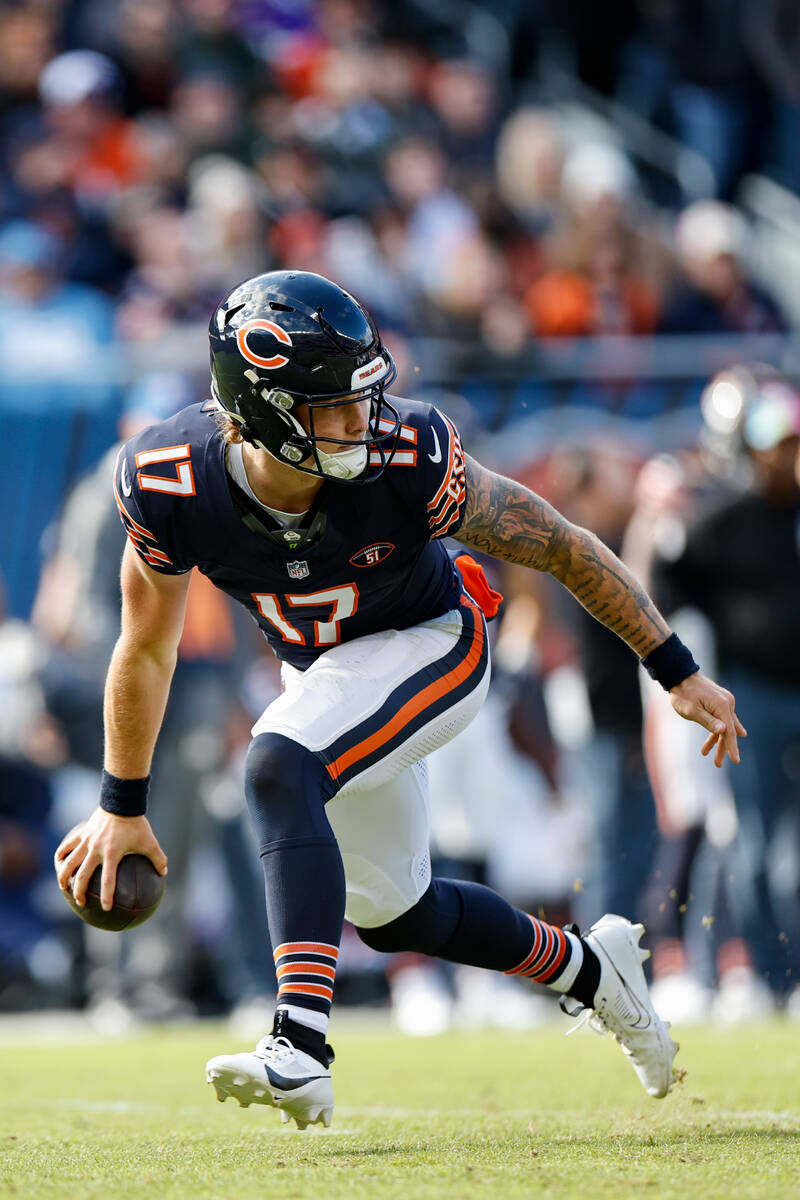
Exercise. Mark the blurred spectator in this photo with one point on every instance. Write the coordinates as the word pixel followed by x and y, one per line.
pixel 81 96
pixel 61 327
pixel 596 282
pixel 143 50
pixel 773 33
pixel 163 163
pixel 717 99
pixel 684 904
pixel 598 181
pixel 440 224
pixel 738 563
pixel 27 844
pixel 464 99
pixel 347 126
pixel 210 43
pixel 529 161
pixel 717 297
pixel 26 44
pixel 27 732
pixel 163 289
pixel 34 966
pixel 365 259
pixel 209 112
pixel 595 488
pixel 225 217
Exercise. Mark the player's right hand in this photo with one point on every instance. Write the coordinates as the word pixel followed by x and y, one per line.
pixel 103 840
pixel 700 699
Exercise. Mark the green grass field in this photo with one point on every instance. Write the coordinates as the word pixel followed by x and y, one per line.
pixel 480 1115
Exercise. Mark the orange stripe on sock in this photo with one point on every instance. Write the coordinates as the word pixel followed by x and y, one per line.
pixel 301 968
pixel 308 989
pixel 428 696
pixel 556 967
pixel 548 941
pixel 534 954
pixel 305 948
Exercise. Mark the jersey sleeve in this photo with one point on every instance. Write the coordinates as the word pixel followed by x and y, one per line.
pixel 148 515
pixel 440 474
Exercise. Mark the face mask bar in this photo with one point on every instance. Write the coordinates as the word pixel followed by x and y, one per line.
pixel 304 444
pixel 383 442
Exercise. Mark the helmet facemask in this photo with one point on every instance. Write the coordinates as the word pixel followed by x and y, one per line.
pixel 363 460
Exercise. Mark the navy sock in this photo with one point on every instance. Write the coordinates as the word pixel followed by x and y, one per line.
pixel 469 923
pixel 587 981
pixel 286 789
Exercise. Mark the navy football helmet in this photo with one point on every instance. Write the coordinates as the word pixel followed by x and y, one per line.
pixel 288 339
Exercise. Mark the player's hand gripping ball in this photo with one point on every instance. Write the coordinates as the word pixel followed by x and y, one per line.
pixel 139 891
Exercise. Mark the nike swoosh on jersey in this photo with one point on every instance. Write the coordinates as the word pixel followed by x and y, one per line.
pixel 124 480
pixel 437 456
pixel 287 1084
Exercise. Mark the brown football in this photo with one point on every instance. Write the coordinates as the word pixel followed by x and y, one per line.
pixel 140 889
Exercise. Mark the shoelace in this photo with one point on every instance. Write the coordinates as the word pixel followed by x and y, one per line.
pixel 585 1016
pixel 589 1017
pixel 274 1047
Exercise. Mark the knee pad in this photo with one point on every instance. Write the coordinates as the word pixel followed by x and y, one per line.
pixel 425 928
pixel 287 788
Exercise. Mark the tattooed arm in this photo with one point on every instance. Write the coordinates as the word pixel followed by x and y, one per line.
pixel 507 520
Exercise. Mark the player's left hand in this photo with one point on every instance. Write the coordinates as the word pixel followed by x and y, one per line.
pixel 699 699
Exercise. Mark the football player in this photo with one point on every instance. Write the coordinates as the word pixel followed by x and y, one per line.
pixel 319 502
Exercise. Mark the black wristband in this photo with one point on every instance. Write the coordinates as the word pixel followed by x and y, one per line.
pixel 670 663
pixel 124 797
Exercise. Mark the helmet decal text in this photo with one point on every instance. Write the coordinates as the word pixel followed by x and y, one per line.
pixel 277 360
pixel 370 373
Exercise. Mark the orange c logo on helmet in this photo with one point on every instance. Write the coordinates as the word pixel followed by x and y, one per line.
pixel 277 360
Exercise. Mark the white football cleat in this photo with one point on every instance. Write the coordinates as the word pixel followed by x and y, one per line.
pixel 276 1073
pixel 622 1005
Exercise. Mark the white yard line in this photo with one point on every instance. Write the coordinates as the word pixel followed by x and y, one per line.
pixel 66 1027
pixel 385 1112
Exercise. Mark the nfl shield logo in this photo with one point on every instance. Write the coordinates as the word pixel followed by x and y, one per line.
pixel 297 570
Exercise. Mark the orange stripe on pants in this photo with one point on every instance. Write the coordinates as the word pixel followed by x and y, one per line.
pixel 429 695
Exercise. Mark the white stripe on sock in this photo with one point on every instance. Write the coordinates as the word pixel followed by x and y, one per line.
pixel 306 1016
pixel 564 981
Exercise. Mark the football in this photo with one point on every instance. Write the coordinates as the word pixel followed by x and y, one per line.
pixel 140 889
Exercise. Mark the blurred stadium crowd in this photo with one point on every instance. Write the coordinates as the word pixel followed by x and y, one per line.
pixel 573 223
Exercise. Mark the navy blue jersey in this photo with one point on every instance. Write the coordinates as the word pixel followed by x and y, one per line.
pixel 377 563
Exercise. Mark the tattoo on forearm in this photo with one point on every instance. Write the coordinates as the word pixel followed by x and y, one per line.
pixel 507 520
